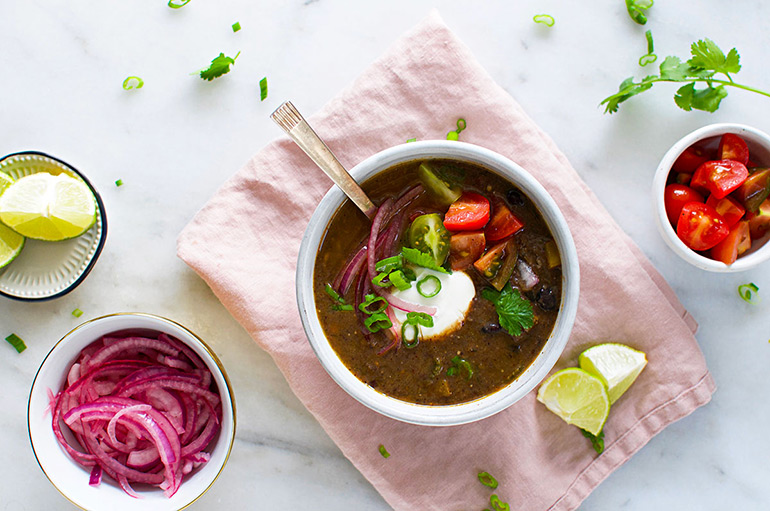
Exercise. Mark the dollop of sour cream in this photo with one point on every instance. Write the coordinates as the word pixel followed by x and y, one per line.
pixel 452 303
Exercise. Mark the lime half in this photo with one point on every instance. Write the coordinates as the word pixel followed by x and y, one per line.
pixel 616 365
pixel 47 207
pixel 11 244
pixel 577 397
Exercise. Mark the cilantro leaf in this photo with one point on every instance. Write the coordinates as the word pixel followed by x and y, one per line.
pixel 219 66
pixel 514 311
pixel 597 441
pixel 423 259
pixel 707 55
pixel 627 90
pixel 708 99
pixel 672 68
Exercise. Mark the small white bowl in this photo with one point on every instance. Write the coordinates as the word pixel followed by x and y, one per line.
pixel 759 148
pixel 70 478
pixel 446 415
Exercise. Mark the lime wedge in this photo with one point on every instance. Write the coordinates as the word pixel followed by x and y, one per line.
pixel 5 181
pixel 616 365
pixel 11 244
pixel 577 397
pixel 47 207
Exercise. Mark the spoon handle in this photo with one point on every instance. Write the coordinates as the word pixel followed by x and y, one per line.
pixel 292 122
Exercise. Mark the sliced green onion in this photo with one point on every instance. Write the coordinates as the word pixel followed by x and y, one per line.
pixel 263 89
pixel 390 263
pixel 177 4
pixel 411 140
pixel 437 367
pixel 370 300
pixel 452 135
pixel 461 125
pixel 384 451
pixel 77 313
pixel 545 19
pixel 487 480
pixel 460 363
pixel 16 341
pixel 119 182
pixel 498 505
pixel 236 26
pixel 342 307
pixel 650 45
pixel 429 279
pixel 133 82
pixel 379 280
pixel 647 59
pixel 749 292
pixel 377 322
pixel 409 274
pixel 333 294
pixel 413 341
pixel 420 318
pixel 398 279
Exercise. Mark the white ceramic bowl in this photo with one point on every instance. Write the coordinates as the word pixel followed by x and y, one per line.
pixel 759 148
pixel 70 478
pixel 450 414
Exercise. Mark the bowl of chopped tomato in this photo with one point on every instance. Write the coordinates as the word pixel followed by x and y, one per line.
pixel 711 195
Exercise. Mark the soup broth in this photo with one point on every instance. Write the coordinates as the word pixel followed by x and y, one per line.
pixel 476 359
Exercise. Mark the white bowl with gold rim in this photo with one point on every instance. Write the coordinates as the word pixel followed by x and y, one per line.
pixel 70 478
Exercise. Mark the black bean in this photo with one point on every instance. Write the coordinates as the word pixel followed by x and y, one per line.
pixel 546 298
pixel 491 328
pixel 515 197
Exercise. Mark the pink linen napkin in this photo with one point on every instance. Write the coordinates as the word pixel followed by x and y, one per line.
pixel 246 239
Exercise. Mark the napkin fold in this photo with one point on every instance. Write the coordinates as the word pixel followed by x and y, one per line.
pixel 245 240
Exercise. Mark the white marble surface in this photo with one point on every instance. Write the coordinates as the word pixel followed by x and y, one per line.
pixel 177 139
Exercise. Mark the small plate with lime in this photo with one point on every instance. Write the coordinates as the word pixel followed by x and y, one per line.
pixel 52 226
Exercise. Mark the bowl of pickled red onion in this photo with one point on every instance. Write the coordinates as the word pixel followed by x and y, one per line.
pixel 131 411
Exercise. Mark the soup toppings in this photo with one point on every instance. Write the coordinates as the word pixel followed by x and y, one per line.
pixel 142 409
pixel 449 293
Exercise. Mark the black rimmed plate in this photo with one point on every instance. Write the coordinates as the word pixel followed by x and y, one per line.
pixel 45 270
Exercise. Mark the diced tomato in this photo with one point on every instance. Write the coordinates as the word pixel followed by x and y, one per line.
pixel 759 221
pixel 503 223
pixel 733 147
pixel 719 177
pixel 489 264
pixel 690 159
pixel 755 189
pixel 700 227
pixel 675 197
pixel 468 213
pixel 729 208
pixel 465 248
pixel 736 243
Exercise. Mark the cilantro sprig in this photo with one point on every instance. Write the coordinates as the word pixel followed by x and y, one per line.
pixel 514 311
pixel 706 63
pixel 597 441
pixel 218 67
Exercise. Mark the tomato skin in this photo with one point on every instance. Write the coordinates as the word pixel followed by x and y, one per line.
pixel 730 209
pixel 700 227
pixel 733 147
pixel 489 264
pixel 690 159
pixel 719 177
pixel 675 197
pixel 465 248
pixel 503 223
pixel 736 243
pixel 468 213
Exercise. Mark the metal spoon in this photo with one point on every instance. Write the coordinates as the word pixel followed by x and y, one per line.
pixel 292 122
